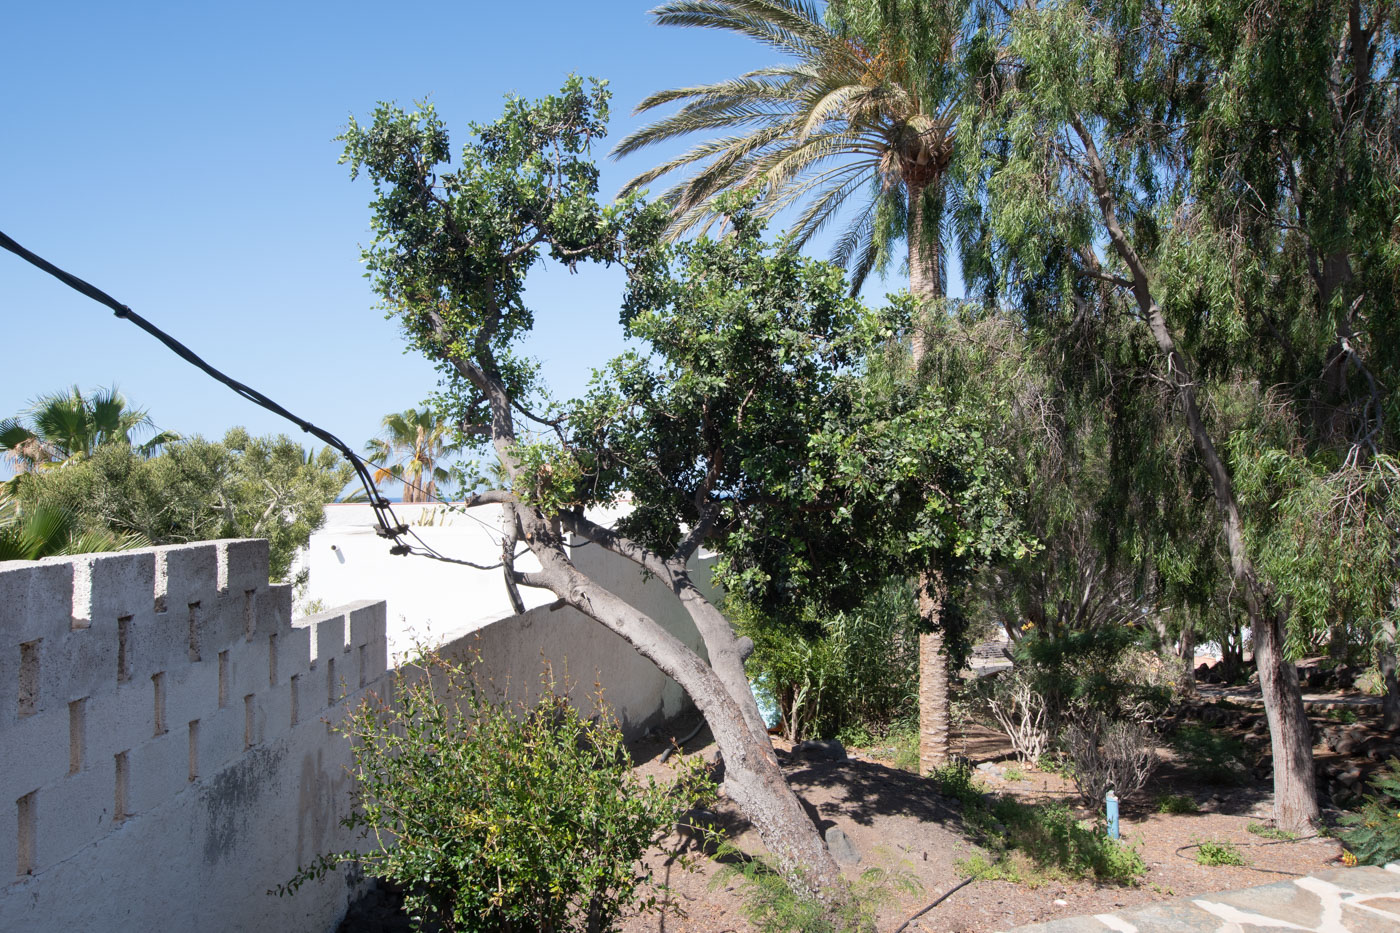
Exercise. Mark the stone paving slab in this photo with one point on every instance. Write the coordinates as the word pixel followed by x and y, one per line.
pixel 1342 900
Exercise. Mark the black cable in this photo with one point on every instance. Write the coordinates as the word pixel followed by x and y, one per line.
pixel 389 525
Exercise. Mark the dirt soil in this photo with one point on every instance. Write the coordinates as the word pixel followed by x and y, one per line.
pixel 898 821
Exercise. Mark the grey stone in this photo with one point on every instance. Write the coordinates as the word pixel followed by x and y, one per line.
pixel 842 849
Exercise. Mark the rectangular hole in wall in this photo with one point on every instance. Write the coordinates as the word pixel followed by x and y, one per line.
pixel 158 682
pixel 77 734
pixel 295 681
pixel 29 678
pixel 123 649
pixel 194 749
pixel 82 595
pixel 330 681
pixel 223 679
pixel 120 798
pixel 364 652
pixel 194 631
pixel 250 619
pixel 28 817
pixel 272 660
pixel 248 708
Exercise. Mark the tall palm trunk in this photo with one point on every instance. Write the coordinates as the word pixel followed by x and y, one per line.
pixel 935 718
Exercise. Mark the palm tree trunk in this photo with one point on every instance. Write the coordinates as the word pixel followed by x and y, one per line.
pixel 935 714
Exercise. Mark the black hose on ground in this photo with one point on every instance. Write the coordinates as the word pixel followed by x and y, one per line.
pixel 677 743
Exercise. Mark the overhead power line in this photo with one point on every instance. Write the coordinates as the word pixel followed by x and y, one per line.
pixel 389 526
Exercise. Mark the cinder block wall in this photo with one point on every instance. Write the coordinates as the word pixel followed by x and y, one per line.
pixel 165 753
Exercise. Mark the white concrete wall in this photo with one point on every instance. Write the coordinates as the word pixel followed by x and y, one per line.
pixel 455 608
pixel 165 756
pixel 429 602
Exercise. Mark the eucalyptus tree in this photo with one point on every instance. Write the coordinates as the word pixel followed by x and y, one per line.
pixel 747 425
pixel 1152 163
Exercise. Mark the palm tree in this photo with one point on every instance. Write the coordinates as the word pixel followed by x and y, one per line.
pixel 69 425
pixel 47 530
pixel 409 448
pixel 861 121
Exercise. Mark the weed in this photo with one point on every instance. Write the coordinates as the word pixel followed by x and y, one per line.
pixel 1345 716
pixel 1217 852
pixel 1014 773
pixel 773 907
pixel 1272 832
pixel 1176 803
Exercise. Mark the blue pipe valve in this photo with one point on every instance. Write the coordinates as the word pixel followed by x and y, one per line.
pixel 1111 803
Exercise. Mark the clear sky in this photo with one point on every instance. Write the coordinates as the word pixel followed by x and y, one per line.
pixel 181 156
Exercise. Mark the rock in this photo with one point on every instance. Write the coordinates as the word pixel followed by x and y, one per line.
pixel 1348 743
pixel 1350 779
pixel 819 750
pixel 842 849
pixel 986 766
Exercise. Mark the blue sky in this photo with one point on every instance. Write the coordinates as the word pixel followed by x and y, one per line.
pixel 181 157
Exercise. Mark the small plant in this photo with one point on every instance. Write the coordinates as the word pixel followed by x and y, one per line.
pixel 496 817
pixel 773 907
pixel 1344 716
pixel 1372 833
pixel 1176 804
pixel 1272 832
pixel 1215 757
pixel 955 780
pixel 1013 773
pixel 1217 852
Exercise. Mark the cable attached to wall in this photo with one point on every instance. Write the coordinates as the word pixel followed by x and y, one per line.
pixel 389 526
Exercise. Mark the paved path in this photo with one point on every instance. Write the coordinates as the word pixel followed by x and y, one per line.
pixel 1343 900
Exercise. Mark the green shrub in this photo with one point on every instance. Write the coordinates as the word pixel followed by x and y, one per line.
pixel 1218 852
pixel 853 669
pixel 1372 833
pixel 503 817
pixel 773 907
pixel 1177 803
pixel 1215 757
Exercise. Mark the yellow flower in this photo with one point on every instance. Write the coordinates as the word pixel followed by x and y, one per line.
pixel 1348 859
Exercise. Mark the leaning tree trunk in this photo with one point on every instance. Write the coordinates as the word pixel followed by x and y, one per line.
pixel 1295 787
pixel 935 714
pixel 1386 652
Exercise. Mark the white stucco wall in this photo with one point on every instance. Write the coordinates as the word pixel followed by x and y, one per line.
pixel 165 756
pixel 439 604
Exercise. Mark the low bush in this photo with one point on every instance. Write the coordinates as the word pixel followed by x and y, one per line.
pixel 1105 754
pixel 503 817
pixel 1372 833
pixel 1271 832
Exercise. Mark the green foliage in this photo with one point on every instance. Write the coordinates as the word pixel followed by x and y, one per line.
pixel 772 906
pixel 65 426
pixel 1271 832
pixel 1217 852
pixel 1214 756
pixel 498 817
pixel 1372 833
pixel 49 530
pixel 851 670
pixel 411 448
pixel 1177 804
pixel 197 490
